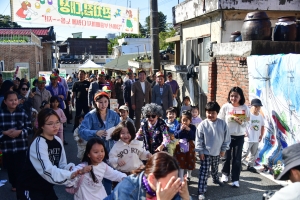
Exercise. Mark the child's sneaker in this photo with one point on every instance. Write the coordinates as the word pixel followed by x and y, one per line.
pixel 236 184
pixel 201 196
pixel 224 178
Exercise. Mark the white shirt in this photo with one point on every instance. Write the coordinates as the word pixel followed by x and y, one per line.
pixel 289 192
pixel 254 128
pixel 143 86
pixel 131 153
pixel 90 190
pixel 228 111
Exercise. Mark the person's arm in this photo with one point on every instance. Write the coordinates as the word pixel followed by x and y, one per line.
pixel 227 138
pixel 86 131
pixel 62 116
pixel 170 96
pixel 76 135
pixel 113 158
pixel 178 133
pixel 192 132
pixel 90 95
pixel 200 142
pixel 113 175
pixel 74 90
pixel 153 95
pixel 133 95
pixel 39 158
pixel 64 93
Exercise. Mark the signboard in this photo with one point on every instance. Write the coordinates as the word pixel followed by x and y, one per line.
pixel 77 14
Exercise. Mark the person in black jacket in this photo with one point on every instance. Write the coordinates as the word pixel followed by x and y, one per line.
pixel 127 92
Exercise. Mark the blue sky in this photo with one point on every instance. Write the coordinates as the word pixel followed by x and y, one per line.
pixel 63 33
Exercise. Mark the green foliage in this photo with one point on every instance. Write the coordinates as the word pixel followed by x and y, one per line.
pixel 162 23
pixel 5 21
pixel 14 39
pixel 163 45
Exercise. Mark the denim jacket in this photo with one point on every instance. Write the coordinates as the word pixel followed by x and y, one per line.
pixel 131 188
pixel 90 125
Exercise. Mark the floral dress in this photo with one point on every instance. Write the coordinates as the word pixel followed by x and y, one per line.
pixel 153 135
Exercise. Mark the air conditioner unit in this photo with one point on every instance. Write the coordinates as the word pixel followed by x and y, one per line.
pixel 2 66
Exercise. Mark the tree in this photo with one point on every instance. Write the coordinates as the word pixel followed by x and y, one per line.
pixel 163 45
pixel 5 21
pixel 162 23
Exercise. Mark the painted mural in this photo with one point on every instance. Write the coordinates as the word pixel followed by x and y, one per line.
pixel 274 79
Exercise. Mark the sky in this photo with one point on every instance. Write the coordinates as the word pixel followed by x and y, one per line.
pixel 62 33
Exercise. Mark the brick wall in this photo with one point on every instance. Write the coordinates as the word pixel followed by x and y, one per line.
pixel 12 53
pixel 226 73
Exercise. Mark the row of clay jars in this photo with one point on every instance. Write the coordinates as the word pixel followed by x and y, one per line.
pixel 257 26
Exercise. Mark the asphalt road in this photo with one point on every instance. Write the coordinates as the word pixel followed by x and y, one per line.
pixel 252 185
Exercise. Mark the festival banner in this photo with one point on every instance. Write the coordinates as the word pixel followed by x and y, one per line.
pixel 273 79
pixel 76 14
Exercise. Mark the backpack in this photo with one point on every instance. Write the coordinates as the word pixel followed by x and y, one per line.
pixel 72 189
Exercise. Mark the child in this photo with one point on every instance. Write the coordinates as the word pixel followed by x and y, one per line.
pixel 254 134
pixel 54 101
pixel 14 129
pixel 81 143
pixel 212 141
pixel 185 150
pixel 46 162
pixel 91 186
pixel 186 104
pixel 196 120
pixel 124 114
pixel 127 152
pixel 172 124
pixel 236 115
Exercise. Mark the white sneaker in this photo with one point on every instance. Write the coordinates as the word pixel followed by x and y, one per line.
pixel 224 178
pixel 201 196
pixel 235 184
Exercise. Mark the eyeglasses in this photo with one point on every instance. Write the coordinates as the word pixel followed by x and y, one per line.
pixel 54 124
pixel 152 116
pixel 25 89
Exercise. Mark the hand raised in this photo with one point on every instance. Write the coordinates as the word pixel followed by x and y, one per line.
pixel 170 190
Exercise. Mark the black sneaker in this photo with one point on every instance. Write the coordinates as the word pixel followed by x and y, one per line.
pixel 218 182
pixel 251 169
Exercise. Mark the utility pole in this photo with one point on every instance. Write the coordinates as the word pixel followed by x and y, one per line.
pixel 155 58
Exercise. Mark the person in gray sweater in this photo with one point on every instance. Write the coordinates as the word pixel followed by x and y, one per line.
pixel 212 141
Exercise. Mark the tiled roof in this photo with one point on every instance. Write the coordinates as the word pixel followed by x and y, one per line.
pixel 25 31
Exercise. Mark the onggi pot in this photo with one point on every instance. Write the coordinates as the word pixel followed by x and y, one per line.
pixel 285 29
pixel 257 26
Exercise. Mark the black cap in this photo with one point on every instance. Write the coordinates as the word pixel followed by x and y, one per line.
pixel 256 102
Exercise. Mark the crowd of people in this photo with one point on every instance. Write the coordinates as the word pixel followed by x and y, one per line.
pixel 145 148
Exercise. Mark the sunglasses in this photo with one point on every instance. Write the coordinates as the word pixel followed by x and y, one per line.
pixel 25 89
pixel 152 116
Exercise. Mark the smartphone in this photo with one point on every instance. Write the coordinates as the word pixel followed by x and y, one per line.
pixel 33 89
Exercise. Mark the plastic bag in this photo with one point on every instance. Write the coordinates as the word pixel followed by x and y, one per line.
pixel 175 103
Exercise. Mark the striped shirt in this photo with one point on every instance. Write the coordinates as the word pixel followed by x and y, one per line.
pixel 17 120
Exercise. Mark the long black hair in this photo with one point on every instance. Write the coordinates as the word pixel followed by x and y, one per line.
pixel 87 159
pixel 240 92
pixel 97 109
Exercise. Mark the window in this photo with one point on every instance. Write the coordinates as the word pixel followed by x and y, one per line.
pixel 197 50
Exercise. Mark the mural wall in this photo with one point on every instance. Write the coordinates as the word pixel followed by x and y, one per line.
pixel 274 79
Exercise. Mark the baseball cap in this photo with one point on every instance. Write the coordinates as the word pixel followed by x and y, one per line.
pixel 159 73
pixel 129 71
pixel 123 108
pixel 256 102
pixel 41 79
pixel 102 74
pixel 106 88
pixel 291 159
pixel 53 76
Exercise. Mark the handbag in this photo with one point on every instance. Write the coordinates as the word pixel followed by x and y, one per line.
pixel 72 189
pixel 184 145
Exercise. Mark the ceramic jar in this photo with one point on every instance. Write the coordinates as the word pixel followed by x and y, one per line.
pixel 285 29
pixel 257 26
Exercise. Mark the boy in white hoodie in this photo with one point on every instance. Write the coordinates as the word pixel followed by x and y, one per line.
pixel 212 141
